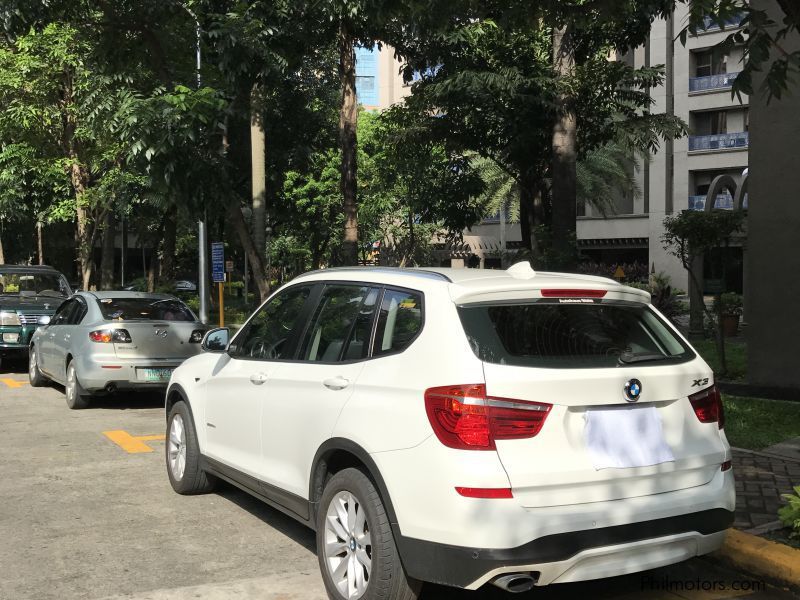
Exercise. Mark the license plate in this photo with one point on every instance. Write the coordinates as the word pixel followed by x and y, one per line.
pixel 154 374
pixel 625 437
pixel 11 338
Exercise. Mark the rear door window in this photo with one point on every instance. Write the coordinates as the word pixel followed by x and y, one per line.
pixel 399 321
pixel 553 335
pixel 341 327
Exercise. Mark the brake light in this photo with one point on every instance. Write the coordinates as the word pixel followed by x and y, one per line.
pixel 726 466
pixel 469 492
pixel 464 417
pixel 107 336
pixel 197 336
pixel 707 405
pixel 573 293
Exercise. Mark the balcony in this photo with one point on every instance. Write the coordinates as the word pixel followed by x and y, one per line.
pixel 712 82
pixel 710 26
pixel 724 201
pixel 737 140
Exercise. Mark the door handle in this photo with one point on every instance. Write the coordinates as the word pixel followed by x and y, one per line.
pixel 258 378
pixel 336 383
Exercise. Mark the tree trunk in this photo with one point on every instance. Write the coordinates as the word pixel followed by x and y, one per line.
pixel 39 242
pixel 258 172
pixel 86 234
pixel 167 270
pixel 348 123
pixel 107 256
pixel 2 252
pixel 152 269
pixel 529 217
pixel 564 154
pixel 256 259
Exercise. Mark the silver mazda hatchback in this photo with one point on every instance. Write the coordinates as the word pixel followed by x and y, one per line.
pixel 101 342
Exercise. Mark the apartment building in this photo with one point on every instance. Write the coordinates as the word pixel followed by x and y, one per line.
pixel 697 88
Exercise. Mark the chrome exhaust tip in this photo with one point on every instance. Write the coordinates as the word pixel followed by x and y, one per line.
pixel 515 582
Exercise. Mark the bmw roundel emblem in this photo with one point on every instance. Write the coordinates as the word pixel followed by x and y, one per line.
pixel 633 389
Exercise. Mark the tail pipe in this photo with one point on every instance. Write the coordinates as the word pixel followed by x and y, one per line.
pixel 516 582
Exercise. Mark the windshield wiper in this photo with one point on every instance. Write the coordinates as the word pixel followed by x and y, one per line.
pixel 628 358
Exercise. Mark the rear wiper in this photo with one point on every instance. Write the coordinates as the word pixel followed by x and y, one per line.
pixel 627 358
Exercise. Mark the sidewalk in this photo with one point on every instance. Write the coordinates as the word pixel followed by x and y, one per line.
pixel 761 478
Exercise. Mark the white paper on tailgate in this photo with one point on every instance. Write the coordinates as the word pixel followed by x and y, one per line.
pixel 622 437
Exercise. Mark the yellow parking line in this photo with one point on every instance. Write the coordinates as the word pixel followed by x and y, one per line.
pixel 13 383
pixel 130 443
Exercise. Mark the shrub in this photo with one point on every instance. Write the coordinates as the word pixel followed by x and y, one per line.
pixel 663 295
pixel 790 514
pixel 728 304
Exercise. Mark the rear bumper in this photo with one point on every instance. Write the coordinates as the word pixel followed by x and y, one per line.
pixel 121 374
pixel 574 555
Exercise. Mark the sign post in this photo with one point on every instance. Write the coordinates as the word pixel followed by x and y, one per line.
pixel 218 275
pixel 229 271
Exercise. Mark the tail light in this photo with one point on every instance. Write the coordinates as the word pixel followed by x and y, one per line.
pixel 464 417
pixel 197 336
pixel 707 406
pixel 107 336
pixel 573 293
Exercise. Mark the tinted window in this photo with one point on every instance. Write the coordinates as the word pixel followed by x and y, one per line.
pixel 399 321
pixel 144 309
pixel 76 314
pixel 269 332
pixel 570 335
pixel 342 324
pixel 65 314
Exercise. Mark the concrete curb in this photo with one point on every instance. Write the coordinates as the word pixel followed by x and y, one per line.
pixel 765 558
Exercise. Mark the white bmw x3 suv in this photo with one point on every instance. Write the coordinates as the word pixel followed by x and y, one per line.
pixel 461 426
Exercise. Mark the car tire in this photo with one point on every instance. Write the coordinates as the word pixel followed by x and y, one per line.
pixel 77 398
pixel 35 376
pixel 365 563
pixel 183 454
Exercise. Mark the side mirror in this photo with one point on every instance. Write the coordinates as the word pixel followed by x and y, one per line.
pixel 216 340
pixel 44 320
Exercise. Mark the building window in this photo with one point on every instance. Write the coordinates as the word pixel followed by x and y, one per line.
pixel 710 62
pixel 711 122
pixel 367 75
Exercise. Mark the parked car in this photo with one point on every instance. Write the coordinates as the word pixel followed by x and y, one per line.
pixel 461 426
pixel 29 296
pixel 101 342
pixel 184 285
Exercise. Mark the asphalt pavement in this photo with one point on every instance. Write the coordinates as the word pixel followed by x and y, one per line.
pixel 87 512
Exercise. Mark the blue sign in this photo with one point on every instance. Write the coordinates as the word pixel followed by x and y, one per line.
pixel 217 262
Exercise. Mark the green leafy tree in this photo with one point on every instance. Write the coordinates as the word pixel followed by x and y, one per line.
pixel 691 234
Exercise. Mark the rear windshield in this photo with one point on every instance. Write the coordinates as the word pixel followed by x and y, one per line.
pixel 144 309
pixel 556 335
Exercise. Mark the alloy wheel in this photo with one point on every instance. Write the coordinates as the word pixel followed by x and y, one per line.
pixel 32 363
pixel 348 545
pixel 177 447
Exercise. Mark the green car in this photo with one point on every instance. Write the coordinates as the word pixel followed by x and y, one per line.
pixel 29 295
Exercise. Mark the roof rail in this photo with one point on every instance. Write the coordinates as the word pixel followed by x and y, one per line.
pixel 388 270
